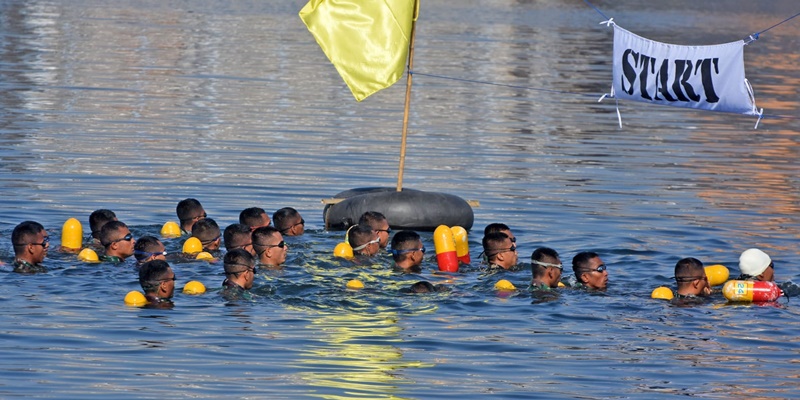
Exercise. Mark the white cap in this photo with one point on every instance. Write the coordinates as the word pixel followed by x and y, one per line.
pixel 753 262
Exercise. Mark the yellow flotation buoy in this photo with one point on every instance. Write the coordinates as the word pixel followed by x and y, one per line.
pixel 503 284
pixel 343 250
pixel 204 255
pixel 135 299
pixel 445 245
pixel 72 235
pixel 192 245
pixel 717 274
pixel 170 229
pixel 663 293
pixel 561 284
pixel 194 287
pixel 88 255
pixel 355 284
pixel 462 244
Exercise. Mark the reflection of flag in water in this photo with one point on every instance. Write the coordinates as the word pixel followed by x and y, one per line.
pixel 366 40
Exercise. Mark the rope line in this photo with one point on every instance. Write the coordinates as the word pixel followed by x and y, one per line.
pixel 786 20
pixel 594 96
pixel 597 9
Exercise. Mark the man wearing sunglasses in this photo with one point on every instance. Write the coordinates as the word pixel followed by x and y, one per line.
pixel 240 272
pixel 158 282
pixel 407 251
pixel 30 242
pixel 590 271
pixel 379 224
pixel 118 242
pixel 546 269
pixel 270 247
pixel 289 222
pixel 500 251
pixel 364 240
pixel 254 217
pixel 691 279
pixel 501 228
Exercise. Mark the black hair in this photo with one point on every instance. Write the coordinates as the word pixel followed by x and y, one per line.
pixel 108 231
pixel 403 240
pixel 98 218
pixel 146 244
pixel 370 217
pixel 251 216
pixel 360 235
pixel 540 255
pixel 686 269
pixel 24 233
pixel 492 242
pixel 151 273
pixel 580 261
pixel 206 230
pixel 235 261
pixel 234 235
pixel 282 219
pixel 262 233
pixel 186 208
pixel 495 227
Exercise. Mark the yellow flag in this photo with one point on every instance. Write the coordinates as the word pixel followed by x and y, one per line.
pixel 366 40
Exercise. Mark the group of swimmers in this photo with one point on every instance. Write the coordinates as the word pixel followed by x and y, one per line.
pixel 258 242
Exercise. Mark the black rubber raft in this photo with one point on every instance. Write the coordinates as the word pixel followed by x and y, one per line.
pixel 407 209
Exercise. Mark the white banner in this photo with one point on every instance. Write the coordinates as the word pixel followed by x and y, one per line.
pixel 704 77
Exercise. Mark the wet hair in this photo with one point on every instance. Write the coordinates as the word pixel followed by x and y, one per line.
pixel 687 269
pixel 109 230
pixel 98 218
pixel 283 218
pixel 540 255
pixel 25 233
pixel 251 216
pixel 371 218
pixel 403 240
pixel 360 235
pixel 424 287
pixel 491 242
pixel 147 244
pixel 495 227
pixel 206 230
pixel 236 235
pixel 236 259
pixel 580 262
pixel 187 208
pixel 260 235
pixel 151 273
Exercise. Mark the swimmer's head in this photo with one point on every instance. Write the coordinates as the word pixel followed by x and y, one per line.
pixel 98 218
pixel 149 248
pixel 190 211
pixel 208 232
pixel 254 217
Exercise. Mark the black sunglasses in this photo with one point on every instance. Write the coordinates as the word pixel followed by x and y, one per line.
pixel 126 238
pixel 601 268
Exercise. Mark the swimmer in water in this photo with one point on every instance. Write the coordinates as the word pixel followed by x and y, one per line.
pixel 502 228
pixel 239 236
pixel 118 242
pixel 407 251
pixel 30 242
pixel 379 224
pixel 240 272
pixel 546 268
pixel 270 247
pixel 691 279
pixel 289 222
pixel 254 217
pixel 755 265
pixel 189 212
pixel 500 251
pixel 207 231
pixel 149 248
pixel 590 271
pixel 97 219
pixel 364 240
pixel 158 282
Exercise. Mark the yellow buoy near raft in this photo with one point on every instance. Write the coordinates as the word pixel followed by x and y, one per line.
pixel 343 250
pixel 88 255
pixel 194 287
pixel 663 293
pixel 170 229
pixel 717 274
pixel 462 244
pixel 72 235
pixel 135 299
pixel 445 245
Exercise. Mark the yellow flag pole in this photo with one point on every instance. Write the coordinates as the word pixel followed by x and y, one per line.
pixel 408 97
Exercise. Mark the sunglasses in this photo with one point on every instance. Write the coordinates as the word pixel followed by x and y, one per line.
pixel 126 238
pixel 168 279
pixel 387 230
pixel 45 242
pixel 690 278
pixel 201 216
pixel 302 222
pixel 364 246
pixel 210 241
pixel 544 264
pixel 601 268
pixel 254 269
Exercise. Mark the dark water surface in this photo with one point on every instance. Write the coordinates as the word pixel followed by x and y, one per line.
pixel 136 105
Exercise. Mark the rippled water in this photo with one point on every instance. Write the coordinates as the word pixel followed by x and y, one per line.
pixel 135 105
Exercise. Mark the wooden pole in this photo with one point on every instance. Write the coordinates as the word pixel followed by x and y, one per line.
pixel 408 98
